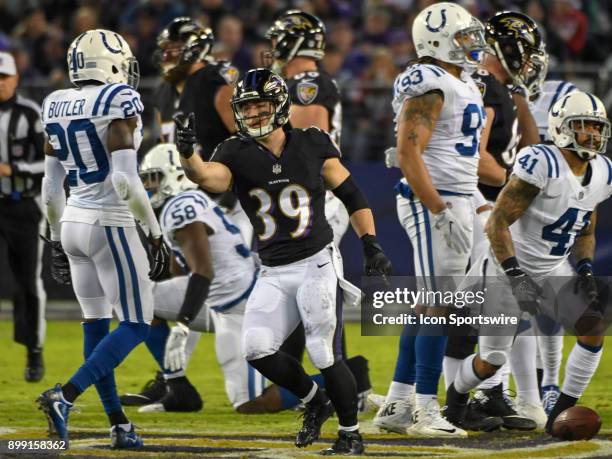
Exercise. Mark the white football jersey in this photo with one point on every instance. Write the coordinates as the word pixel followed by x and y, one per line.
pixel 76 121
pixel 233 264
pixel 452 155
pixel 551 92
pixel 545 233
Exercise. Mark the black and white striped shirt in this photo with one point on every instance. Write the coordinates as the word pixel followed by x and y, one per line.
pixel 22 147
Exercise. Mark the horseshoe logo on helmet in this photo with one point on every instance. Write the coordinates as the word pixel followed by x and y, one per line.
pixel 442 24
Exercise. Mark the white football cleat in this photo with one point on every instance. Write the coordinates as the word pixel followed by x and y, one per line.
pixel 428 422
pixel 533 411
pixel 394 416
pixel 375 401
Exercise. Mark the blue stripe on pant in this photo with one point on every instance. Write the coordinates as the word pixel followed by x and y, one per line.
pixel 120 276
pixel 133 274
pixel 418 237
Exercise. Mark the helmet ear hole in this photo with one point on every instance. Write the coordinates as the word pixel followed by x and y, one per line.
pixel 115 69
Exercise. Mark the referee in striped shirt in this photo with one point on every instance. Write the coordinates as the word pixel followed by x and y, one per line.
pixel 21 171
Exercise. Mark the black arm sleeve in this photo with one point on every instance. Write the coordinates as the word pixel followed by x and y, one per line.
pixel 195 296
pixel 352 198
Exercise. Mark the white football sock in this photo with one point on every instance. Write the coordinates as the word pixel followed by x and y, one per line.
pixel 522 362
pixel 494 380
pixel 579 369
pixel 192 341
pixel 466 378
pixel 424 399
pixel 551 349
pixel 450 367
pixel 400 391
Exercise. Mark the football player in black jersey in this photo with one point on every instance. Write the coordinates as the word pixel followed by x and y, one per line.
pixel 297 42
pixel 280 179
pixel 506 75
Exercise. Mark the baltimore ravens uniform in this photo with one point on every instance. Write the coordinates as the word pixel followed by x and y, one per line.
pixel 451 158
pixel 318 88
pixel 235 275
pixel 504 136
pixel 198 97
pixel 550 92
pixel 284 198
pixel 108 262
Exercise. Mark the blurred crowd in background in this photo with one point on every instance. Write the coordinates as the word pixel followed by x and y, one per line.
pixel 368 42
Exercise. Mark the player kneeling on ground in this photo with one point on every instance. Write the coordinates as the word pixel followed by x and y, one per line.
pixel 280 179
pixel 547 209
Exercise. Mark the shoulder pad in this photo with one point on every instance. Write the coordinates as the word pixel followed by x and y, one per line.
pixel 419 79
pixel 537 164
pixel 118 101
pixel 228 72
pixel 317 135
pixel 181 210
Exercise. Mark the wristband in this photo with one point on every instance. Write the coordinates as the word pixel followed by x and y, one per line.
pixel 195 296
pixel 370 245
pixel 511 267
pixel 585 266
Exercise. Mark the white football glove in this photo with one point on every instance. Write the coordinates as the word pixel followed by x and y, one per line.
pixel 174 356
pixel 455 234
pixel 391 157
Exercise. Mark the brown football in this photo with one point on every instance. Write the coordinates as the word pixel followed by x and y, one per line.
pixel 576 423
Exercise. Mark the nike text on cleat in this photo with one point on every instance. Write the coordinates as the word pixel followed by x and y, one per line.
pixel 428 422
pixel 56 410
pixel 121 439
pixel 347 444
pixel 153 391
pixel 394 416
pixel 314 417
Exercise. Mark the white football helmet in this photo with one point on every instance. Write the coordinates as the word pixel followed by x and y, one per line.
pixel 567 118
pixel 104 56
pixel 447 32
pixel 162 174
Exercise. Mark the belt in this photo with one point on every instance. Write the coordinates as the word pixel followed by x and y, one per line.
pixel 405 191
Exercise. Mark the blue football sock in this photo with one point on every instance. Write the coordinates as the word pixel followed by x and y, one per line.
pixel 405 366
pixel 93 333
pixel 156 342
pixel 290 400
pixel 109 353
pixel 429 356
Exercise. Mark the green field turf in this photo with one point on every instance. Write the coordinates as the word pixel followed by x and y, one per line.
pixel 217 424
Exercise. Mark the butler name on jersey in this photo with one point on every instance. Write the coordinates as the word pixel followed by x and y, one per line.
pixel 452 153
pixel 77 120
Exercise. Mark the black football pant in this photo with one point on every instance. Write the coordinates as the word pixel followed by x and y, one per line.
pixel 21 223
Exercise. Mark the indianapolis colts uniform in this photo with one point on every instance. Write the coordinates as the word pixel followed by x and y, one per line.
pixel 235 275
pixel 451 158
pixel 551 92
pixel 108 262
pixel 544 235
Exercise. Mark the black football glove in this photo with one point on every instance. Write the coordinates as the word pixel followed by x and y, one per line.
pixel 60 267
pixel 524 288
pixel 375 262
pixel 185 134
pixel 160 258
pixel 586 282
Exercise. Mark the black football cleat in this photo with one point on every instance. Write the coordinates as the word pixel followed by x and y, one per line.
pixel 180 397
pixel 35 366
pixel 315 414
pixel 492 402
pixel 152 391
pixel 347 444
pixel 479 421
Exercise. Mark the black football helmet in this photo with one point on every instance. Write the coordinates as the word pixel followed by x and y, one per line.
pixel 183 42
pixel 517 43
pixel 260 85
pixel 295 33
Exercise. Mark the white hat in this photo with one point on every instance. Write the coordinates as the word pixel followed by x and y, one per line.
pixel 7 64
